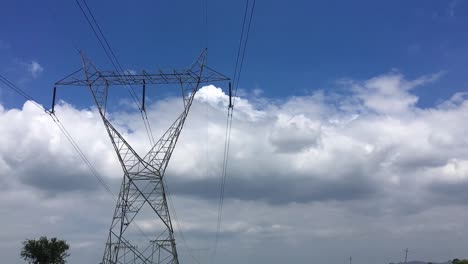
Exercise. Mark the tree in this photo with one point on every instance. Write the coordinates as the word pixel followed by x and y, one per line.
pixel 45 251
pixel 460 261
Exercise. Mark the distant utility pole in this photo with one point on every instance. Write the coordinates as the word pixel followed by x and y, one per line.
pixel 406 255
pixel 350 260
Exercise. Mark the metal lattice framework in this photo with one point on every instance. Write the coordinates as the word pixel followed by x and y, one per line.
pixel 143 187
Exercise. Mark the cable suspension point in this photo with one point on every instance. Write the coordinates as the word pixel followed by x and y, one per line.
pixel 230 96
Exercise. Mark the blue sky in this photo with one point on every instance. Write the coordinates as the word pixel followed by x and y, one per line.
pixel 355 146
pixel 293 48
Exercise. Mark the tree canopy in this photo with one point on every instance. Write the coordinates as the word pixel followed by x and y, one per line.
pixel 460 261
pixel 45 251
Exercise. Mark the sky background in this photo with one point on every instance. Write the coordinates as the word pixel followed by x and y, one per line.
pixel 349 136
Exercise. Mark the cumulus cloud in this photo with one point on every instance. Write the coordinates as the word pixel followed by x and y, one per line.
pixel 302 147
pixel 343 166
pixel 390 93
pixel 296 133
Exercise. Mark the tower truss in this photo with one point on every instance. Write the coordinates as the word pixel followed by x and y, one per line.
pixel 143 190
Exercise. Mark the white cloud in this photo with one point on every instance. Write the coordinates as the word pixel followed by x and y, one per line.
pixel 318 169
pixel 294 133
pixel 388 94
pixel 35 69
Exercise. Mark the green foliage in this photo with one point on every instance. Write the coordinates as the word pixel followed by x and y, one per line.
pixel 460 261
pixel 45 251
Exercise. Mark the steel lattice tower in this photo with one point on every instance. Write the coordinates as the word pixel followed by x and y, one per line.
pixel 143 188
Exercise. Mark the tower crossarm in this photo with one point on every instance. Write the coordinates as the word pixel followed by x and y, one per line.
pixel 191 75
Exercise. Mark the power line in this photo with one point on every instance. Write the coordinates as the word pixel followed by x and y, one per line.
pixel 102 34
pixel 62 128
pixel 223 178
pixel 182 236
pixel 107 48
pixel 19 91
pixel 67 135
pixel 95 33
pixel 240 43
pixel 131 90
pixel 81 154
pixel 245 47
pixel 237 71
pixel 115 62
pixel 205 20
pixel 88 163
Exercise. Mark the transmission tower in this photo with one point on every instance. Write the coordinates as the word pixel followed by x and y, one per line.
pixel 143 192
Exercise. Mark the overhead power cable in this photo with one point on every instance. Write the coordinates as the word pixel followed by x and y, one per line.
pixel 62 128
pixel 178 228
pixel 96 29
pixel 20 92
pixel 112 56
pixel 244 49
pixel 244 37
pixel 119 69
pixel 223 179
pixel 241 44
pixel 69 138
pixel 205 20
pixel 93 170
